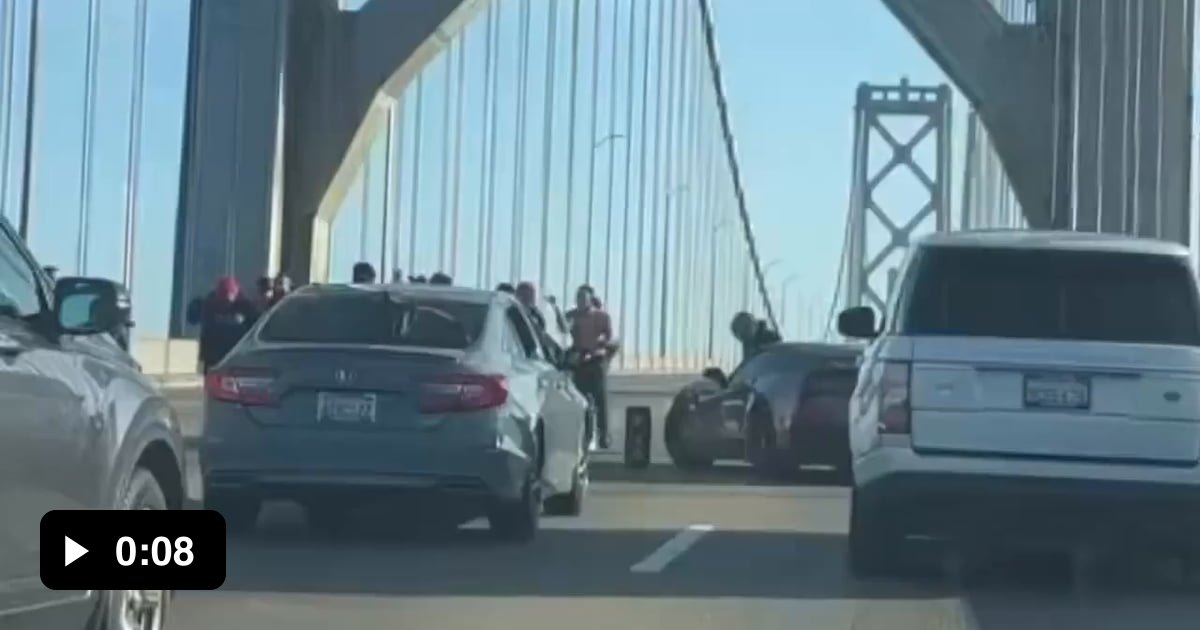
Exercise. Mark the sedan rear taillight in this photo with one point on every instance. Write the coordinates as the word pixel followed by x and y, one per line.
pixel 242 386
pixel 894 412
pixel 447 393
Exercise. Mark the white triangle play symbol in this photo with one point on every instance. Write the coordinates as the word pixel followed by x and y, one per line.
pixel 72 551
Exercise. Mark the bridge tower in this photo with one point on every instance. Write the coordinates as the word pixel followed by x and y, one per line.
pixel 868 268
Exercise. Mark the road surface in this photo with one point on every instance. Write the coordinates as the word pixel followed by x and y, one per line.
pixel 654 549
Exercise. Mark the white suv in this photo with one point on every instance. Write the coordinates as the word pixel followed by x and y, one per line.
pixel 1028 387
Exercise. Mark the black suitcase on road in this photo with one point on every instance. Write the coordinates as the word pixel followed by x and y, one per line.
pixel 637 437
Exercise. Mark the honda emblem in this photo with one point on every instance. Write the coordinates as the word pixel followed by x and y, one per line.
pixel 343 376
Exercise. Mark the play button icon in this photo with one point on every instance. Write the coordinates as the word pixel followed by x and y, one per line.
pixel 72 551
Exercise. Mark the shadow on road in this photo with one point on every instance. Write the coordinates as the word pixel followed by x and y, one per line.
pixel 560 563
pixel 718 475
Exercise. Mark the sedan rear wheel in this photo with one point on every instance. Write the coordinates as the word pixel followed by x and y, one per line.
pixel 517 521
pixel 570 503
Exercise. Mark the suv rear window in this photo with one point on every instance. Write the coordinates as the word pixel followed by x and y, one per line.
pixel 1052 294
pixel 375 318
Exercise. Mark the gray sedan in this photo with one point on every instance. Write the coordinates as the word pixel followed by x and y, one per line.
pixel 344 394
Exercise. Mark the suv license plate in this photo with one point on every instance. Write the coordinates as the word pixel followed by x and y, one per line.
pixel 1058 391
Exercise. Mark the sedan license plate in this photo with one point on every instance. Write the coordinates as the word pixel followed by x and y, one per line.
pixel 1057 391
pixel 346 408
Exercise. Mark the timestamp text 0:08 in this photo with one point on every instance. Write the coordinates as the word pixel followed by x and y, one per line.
pixel 160 551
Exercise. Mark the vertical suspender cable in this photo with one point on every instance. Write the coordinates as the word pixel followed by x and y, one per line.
pixel 31 85
pixel 486 140
pixel 571 134
pixel 447 103
pixel 389 186
pixel 8 36
pixel 727 132
pixel 654 165
pixel 415 199
pixel 639 270
pixel 490 220
pixel 1101 97
pixel 674 189
pixel 89 134
pixel 624 279
pixel 1137 118
pixel 1126 77
pixel 548 142
pixel 456 178
pixel 612 150
pixel 591 143
pixel 517 244
pixel 396 174
pixel 1161 120
pixel 133 151
pixel 364 226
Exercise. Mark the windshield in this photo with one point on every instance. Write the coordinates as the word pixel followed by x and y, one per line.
pixel 375 318
pixel 1052 294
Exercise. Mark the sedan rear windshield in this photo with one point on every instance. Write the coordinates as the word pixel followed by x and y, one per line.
pixel 1052 294
pixel 375 318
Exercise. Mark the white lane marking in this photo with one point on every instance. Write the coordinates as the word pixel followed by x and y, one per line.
pixel 672 549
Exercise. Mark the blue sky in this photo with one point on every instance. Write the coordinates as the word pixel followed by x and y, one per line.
pixel 791 68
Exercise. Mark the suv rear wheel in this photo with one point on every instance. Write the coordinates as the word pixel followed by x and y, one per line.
pixel 873 551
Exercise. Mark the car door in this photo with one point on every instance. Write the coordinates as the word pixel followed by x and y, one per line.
pixel 562 412
pixel 48 443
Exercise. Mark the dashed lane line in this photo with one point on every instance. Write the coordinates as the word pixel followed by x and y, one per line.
pixel 672 549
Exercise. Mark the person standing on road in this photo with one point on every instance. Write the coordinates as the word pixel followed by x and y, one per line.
pixel 224 316
pixel 591 337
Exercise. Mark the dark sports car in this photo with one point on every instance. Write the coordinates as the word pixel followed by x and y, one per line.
pixel 781 409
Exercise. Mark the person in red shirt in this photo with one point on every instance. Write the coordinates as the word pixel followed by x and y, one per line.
pixel 591 338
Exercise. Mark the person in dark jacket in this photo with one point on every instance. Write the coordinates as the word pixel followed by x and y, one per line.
pixel 223 316
pixel 363 273
pixel 263 293
pixel 754 334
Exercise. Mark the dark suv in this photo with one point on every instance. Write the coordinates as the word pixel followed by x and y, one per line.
pixel 82 428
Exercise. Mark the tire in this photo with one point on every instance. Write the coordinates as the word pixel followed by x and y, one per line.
pixel 240 512
pixel 142 491
pixel 517 521
pixel 570 503
pixel 872 550
pixel 682 456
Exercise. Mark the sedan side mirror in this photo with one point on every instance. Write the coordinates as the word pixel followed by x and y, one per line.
pixel 858 322
pixel 86 306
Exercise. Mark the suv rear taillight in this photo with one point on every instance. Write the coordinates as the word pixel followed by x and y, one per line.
pixel 894 412
pixel 448 393
pixel 242 386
